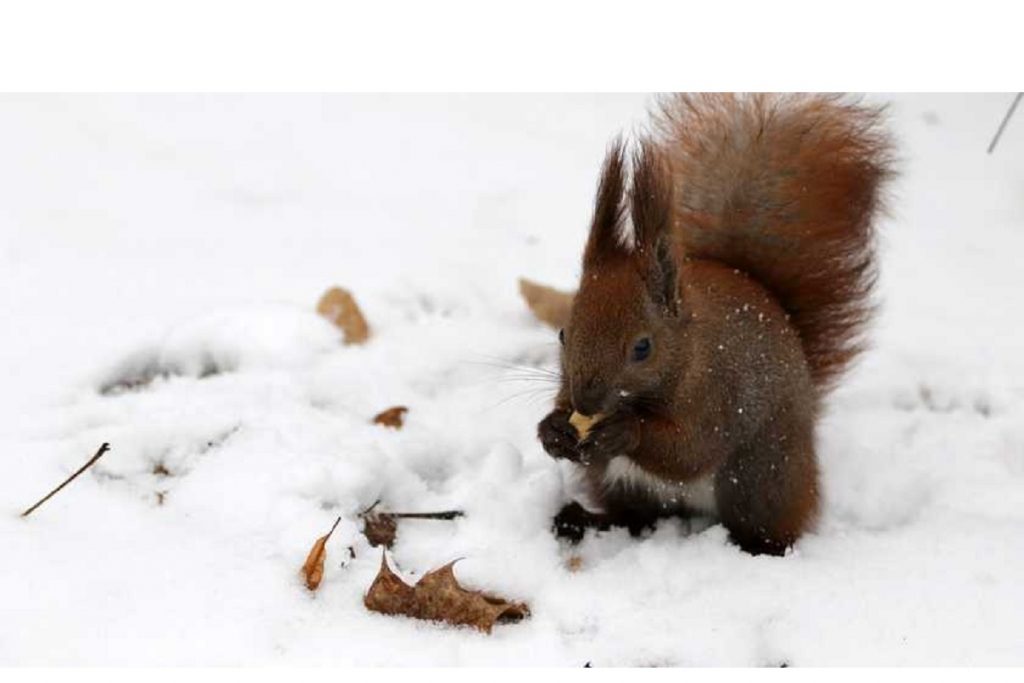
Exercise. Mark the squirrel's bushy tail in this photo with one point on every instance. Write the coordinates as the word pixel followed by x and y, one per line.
pixel 785 188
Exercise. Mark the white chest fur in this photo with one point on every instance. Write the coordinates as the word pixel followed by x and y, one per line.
pixel 697 495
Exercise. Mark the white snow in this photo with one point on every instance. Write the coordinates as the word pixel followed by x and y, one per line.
pixel 185 240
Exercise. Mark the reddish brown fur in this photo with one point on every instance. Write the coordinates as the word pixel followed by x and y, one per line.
pixel 748 279
pixel 785 188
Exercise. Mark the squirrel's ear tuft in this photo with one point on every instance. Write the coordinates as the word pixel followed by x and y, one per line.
pixel 651 204
pixel 651 197
pixel 605 240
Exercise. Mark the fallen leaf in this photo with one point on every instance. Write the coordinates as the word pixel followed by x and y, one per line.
pixel 574 564
pixel 392 417
pixel 338 306
pixel 437 596
pixel 313 569
pixel 380 529
pixel 550 305
pixel 388 594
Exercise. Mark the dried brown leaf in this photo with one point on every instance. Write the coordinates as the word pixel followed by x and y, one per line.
pixel 437 596
pixel 339 306
pixel 550 305
pixel 392 417
pixel 313 568
pixel 380 529
pixel 388 594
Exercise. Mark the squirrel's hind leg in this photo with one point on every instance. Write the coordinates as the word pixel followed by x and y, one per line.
pixel 572 522
pixel 767 492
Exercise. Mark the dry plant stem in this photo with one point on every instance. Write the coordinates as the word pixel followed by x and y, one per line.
pixel 444 514
pixel 99 454
pixel 333 527
pixel 447 514
pixel 1006 120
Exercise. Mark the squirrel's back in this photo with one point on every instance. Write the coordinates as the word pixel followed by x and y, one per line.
pixel 785 188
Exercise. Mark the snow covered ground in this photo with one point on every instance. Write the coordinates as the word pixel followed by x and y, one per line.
pixel 195 234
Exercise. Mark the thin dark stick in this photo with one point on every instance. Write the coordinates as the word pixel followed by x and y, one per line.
pixel 369 509
pixel 99 454
pixel 1006 119
pixel 447 514
pixel 336 523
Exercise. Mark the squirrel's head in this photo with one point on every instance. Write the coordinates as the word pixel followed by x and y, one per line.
pixel 623 344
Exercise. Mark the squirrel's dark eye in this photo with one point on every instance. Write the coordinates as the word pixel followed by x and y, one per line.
pixel 561 337
pixel 641 349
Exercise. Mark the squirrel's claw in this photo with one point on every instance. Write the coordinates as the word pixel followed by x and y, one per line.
pixel 558 436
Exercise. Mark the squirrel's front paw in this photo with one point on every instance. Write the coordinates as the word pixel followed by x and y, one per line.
pixel 616 434
pixel 558 437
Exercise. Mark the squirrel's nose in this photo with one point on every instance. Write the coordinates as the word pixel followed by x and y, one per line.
pixel 588 399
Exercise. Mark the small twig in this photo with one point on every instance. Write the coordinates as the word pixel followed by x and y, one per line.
pixel 335 526
pixel 1006 119
pixel 380 528
pixel 444 514
pixel 447 514
pixel 99 454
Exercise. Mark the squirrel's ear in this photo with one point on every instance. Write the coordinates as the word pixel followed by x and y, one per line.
pixel 655 248
pixel 605 241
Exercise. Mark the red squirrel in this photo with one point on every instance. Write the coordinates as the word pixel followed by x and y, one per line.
pixel 726 284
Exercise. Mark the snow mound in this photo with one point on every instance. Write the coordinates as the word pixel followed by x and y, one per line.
pixel 258 338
